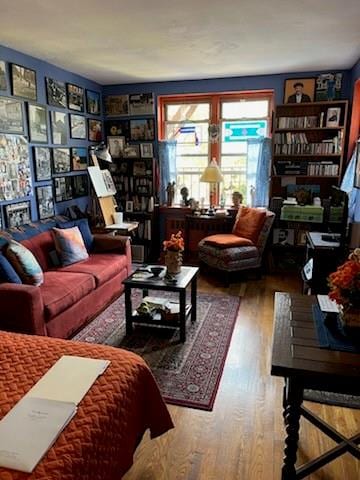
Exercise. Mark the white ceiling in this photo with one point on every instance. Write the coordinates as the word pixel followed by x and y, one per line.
pixel 114 41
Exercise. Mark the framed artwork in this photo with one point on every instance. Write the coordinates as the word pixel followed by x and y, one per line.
pixel 299 90
pixel 42 163
pixel 77 126
pixel 283 236
pixel 131 151
pixel 93 102
pixel 142 129
pixel 17 214
pixel 116 105
pixel 139 169
pixel 15 176
pixel 80 185
pixel 94 130
pixel 75 95
pixel 116 146
pixel 37 115
pixel 118 128
pixel 79 158
pixel 357 167
pixel 301 237
pixel 11 115
pixel 56 92
pixel 59 127
pixel 333 117
pixel 328 87
pixel 63 189
pixel 61 160
pixel 45 201
pixel 129 206
pixel 3 81
pixel 146 150
pixel 23 81
pixel 142 104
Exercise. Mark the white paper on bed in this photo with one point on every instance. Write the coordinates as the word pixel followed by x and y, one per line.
pixel 30 429
pixel 69 379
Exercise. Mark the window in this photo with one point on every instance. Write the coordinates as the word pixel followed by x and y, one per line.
pixel 238 118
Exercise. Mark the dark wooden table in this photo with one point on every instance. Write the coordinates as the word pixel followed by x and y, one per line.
pixel 187 276
pixel 297 357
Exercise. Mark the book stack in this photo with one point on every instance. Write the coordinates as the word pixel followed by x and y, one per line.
pixel 308 121
pixel 297 144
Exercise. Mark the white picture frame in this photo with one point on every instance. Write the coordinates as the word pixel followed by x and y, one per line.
pixel 146 150
pixel 333 117
pixel 129 206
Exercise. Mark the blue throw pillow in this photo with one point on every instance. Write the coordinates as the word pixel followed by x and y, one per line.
pixel 7 272
pixel 84 228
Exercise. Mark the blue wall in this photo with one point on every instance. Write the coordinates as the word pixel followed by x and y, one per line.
pixel 44 69
pixel 354 75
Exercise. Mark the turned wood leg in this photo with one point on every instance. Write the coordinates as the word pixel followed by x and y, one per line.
pixel 128 310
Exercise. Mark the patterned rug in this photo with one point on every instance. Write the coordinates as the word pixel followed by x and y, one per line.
pixel 189 373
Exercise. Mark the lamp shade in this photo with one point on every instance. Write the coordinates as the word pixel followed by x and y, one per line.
pixel 102 152
pixel 212 173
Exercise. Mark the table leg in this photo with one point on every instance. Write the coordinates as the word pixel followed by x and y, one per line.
pixel 145 292
pixel 292 403
pixel 193 298
pixel 182 316
pixel 128 310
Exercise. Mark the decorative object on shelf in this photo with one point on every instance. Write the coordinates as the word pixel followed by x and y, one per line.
pixel 3 82
pixel 328 87
pixel 173 249
pixel 23 81
pixel 170 190
pixel 11 120
pixel 299 90
pixel 333 117
pixel 75 96
pixel 214 132
pixel 56 92
pixel 212 174
pixel 38 132
pixel 345 290
pixel 237 199
pixel 184 192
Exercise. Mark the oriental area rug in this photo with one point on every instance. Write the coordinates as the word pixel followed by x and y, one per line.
pixel 188 374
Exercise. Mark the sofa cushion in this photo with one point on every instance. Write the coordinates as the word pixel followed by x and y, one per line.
pixel 24 263
pixel 61 290
pixel 7 272
pixel 102 266
pixel 249 222
pixel 84 228
pixel 227 240
pixel 41 247
pixel 69 245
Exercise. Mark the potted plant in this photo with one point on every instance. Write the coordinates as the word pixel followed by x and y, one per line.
pixel 173 249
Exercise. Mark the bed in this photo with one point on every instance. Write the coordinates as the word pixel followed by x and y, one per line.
pixel 100 441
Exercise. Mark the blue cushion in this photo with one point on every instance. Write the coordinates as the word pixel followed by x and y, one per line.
pixel 7 272
pixel 84 228
pixel 25 264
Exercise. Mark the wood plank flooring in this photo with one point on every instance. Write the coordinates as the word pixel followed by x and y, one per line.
pixel 242 438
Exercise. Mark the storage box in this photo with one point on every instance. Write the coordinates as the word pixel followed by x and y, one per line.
pixel 299 213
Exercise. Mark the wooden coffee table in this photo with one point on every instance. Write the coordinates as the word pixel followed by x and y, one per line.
pixel 187 276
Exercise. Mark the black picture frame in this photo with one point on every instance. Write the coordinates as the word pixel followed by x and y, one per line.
pixel 141 104
pixel 116 105
pixel 131 151
pixel 45 201
pixel 3 76
pixel 77 126
pixel 42 163
pixel 17 214
pixel 23 82
pixel 80 185
pixel 119 128
pixel 142 129
pixel 95 130
pixel 63 189
pixel 79 159
pixel 61 161
pixel 75 97
pixel 59 129
pixel 56 92
pixel 93 103
pixel 12 116
pixel 38 125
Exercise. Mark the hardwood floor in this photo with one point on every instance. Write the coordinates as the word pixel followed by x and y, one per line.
pixel 242 438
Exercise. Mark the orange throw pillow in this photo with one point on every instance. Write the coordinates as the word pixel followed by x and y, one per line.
pixel 249 222
pixel 227 240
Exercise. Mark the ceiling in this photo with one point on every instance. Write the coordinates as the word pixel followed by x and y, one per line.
pixel 114 41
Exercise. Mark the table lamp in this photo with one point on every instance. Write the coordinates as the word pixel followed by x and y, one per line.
pixel 212 174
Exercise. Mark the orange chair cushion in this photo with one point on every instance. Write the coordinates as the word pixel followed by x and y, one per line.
pixel 249 222
pixel 227 240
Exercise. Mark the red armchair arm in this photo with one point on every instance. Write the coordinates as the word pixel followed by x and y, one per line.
pixel 21 309
pixel 107 243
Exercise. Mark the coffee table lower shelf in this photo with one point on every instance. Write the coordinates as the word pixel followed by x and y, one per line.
pixel 148 319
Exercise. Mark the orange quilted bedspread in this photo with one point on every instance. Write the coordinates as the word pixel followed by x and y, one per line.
pixel 99 442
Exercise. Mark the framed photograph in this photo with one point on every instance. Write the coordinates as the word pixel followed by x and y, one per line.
pixel 45 201
pixel 61 160
pixel 142 129
pixel 77 126
pixel 63 189
pixel 301 237
pixel 3 80
pixel 79 158
pixel 299 90
pixel 56 92
pixel 95 130
pixel 15 174
pixel 118 128
pixel 328 87
pixel 17 214
pixel 139 169
pixel 116 105
pixel 37 115
pixel 283 236
pixel 129 206
pixel 333 117
pixel 357 166
pixel 116 146
pixel 131 151
pixel 80 185
pixel 42 163
pixel 146 150
pixel 23 81
pixel 59 132
pixel 75 96
pixel 11 115
pixel 141 104
pixel 93 102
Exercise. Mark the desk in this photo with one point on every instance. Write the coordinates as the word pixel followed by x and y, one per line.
pixel 297 357
pixel 122 228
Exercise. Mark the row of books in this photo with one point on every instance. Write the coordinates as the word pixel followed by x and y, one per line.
pixel 143 231
pixel 325 147
pixel 323 169
pixel 309 121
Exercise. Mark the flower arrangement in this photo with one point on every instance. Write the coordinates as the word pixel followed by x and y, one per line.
pixel 175 244
pixel 345 283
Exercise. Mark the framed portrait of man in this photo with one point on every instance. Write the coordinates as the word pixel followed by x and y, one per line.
pixel 299 90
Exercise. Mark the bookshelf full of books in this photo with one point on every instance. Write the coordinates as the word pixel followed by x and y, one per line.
pixel 308 145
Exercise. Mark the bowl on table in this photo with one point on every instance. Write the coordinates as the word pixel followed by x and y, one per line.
pixel 156 270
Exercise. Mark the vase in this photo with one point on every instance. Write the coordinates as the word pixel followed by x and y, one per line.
pixel 350 317
pixel 173 261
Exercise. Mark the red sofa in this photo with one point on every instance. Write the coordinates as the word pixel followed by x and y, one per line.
pixel 70 296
